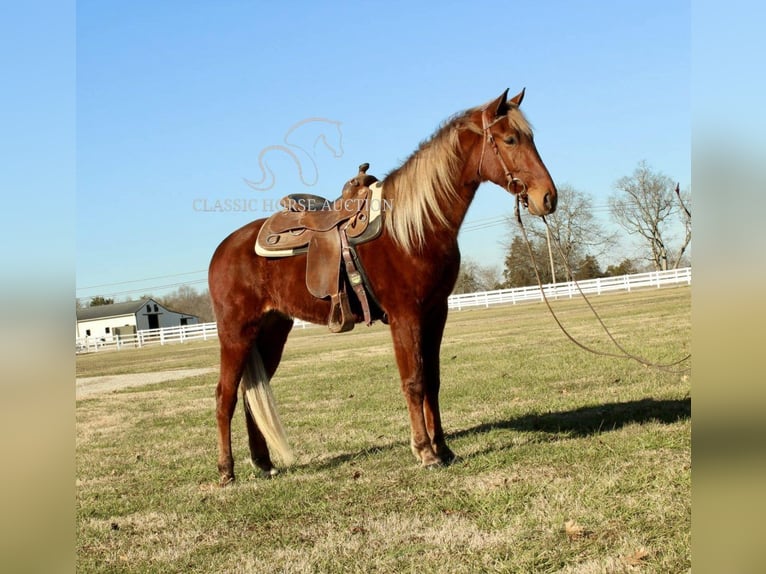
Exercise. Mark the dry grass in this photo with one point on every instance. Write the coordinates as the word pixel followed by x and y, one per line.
pixel 568 462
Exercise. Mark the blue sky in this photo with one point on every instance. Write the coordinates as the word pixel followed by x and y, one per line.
pixel 175 101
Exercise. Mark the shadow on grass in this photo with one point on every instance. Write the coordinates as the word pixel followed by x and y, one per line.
pixel 584 421
pixel 341 459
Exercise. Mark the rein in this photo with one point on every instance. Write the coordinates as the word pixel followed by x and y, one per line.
pixel 512 185
pixel 624 354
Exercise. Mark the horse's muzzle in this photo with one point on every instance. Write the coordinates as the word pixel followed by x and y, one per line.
pixel 540 206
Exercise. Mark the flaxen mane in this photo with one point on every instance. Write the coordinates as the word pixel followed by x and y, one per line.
pixel 419 188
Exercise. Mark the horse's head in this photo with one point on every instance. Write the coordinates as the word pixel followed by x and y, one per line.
pixel 509 157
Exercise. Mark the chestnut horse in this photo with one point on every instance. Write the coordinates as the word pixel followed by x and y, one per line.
pixel 412 268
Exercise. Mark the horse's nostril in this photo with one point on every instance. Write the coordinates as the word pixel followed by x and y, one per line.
pixel 550 202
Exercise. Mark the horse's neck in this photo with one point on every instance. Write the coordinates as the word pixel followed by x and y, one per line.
pixel 467 178
pixel 465 188
pixel 447 207
pixel 466 193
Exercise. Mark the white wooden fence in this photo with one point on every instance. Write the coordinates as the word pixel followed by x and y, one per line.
pixel 204 331
pixel 166 335
pixel 569 289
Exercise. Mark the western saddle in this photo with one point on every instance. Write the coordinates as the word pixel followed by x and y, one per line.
pixel 327 231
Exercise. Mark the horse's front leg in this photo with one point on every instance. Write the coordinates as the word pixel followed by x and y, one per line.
pixel 433 330
pixel 408 347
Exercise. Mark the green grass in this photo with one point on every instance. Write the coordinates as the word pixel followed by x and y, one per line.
pixel 568 462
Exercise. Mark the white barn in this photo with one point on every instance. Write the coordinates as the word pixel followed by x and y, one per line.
pixel 104 322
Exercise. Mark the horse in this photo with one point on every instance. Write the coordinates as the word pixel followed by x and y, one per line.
pixel 411 267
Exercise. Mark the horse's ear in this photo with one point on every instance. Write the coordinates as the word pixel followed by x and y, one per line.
pixel 516 100
pixel 499 106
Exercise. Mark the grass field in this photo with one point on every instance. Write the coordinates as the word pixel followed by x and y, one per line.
pixel 568 462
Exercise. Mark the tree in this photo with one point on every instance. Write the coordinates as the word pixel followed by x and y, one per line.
pixel 488 277
pixel 588 268
pixel 626 267
pixel 645 204
pixel 573 227
pixel 99 300
pixel 466 279
pixel 519 269
pixel 574 233
pixel 684 200
pixel 188 300
pixel 474 277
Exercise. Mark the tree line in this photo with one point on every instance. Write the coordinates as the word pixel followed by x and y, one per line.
pixel 185 299
pixel 647 205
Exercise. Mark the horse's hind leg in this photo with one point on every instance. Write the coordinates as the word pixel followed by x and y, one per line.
pixel 233 358
pixel 269 344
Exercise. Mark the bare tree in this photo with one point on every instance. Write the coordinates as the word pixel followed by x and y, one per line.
pixel 474 277
pixel 684 201
pixel 574 228
pixel 645 204
pixel 489 277
pixel 187 299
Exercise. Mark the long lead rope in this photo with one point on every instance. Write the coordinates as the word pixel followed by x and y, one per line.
pixel 625 354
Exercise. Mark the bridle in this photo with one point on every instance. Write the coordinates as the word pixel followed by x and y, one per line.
pixel 512 183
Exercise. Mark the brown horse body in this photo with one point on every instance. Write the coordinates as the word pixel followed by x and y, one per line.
pixel 412 268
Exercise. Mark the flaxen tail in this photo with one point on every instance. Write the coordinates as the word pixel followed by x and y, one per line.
pixel 260 402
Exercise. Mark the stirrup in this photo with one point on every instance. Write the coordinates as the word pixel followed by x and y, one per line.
pixel 341 319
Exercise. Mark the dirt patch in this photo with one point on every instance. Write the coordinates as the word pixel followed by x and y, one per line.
pixel 90 386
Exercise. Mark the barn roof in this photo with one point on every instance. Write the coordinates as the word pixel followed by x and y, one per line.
pixel 113 310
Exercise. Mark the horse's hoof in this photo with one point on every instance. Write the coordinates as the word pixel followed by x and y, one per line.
pixel 264 469
pixel 434 465
pixel 226 481
pixel 446 456
pixel 271 473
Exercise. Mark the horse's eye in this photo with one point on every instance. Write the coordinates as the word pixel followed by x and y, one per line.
pixel 510 140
